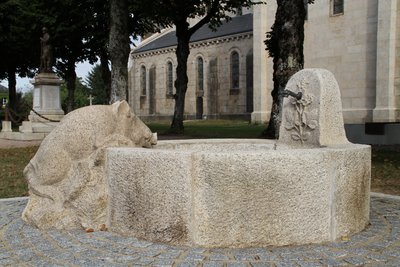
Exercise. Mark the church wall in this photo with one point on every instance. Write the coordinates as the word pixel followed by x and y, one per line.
pixel 397 71
pixel 218 98
pixel 346 45
pixel 163 102
pixel 387 108
pixel 355 47
pixel 263 18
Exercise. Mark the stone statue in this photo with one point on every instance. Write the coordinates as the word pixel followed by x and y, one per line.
pixel 67 180
pixel 46 56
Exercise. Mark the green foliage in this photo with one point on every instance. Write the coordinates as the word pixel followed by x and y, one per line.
pixel 96 86
pixel 81 95
pixel 212 129
pixel 216 9
pixel 28 96
pixel 25 104
pixel 214 12
pixel 17 45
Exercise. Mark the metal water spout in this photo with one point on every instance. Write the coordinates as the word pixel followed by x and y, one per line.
pixel 287 93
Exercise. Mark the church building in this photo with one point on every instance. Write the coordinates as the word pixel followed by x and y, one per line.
pixel 230 73
pixel 220 71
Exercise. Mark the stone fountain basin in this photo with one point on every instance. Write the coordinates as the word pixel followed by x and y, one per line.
pixel 238 193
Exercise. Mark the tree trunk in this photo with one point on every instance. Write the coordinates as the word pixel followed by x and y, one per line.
pixel 285 45
pixel 119 49
pixel 12 88
pixel 71 84
pixel 105 75
pixel 182 54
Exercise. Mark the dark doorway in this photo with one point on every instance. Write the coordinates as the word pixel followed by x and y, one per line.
pixel 199 107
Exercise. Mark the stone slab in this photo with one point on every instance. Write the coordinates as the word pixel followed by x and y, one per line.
pixel 22 136
pixel 26 127
pixel 6 126
pixel 46 98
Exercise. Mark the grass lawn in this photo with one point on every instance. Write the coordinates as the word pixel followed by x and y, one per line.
pixel 385 160
pixel 12 164
pixel 385 170
pixel 212 129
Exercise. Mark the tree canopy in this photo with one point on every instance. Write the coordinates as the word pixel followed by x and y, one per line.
pixel 19 49
pixel 79 32
pixel 96 85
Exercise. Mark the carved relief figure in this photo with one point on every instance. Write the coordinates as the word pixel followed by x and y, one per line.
pixel 300 119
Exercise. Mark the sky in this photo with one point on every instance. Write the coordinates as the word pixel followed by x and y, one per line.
pixel 23 84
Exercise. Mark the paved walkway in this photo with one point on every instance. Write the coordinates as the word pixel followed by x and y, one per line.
pixel 22 245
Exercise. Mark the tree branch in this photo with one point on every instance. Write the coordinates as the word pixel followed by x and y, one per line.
pixel 171 9
pixel 210 13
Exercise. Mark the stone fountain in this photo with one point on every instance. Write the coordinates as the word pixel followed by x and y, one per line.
pixel 310 186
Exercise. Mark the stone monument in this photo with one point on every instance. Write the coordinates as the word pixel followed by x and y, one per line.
pixel 46 93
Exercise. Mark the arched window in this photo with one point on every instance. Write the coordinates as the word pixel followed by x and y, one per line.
pixel 152 89
pixel 235 70
pixel 337 7
pixel 170 78
pixel 200 74
pixel 143 79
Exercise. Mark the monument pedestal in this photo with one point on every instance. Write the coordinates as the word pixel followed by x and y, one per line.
pixel 46 102
pixel 46 98
pixel 6 126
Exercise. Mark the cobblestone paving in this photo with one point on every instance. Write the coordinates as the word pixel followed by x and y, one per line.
pixel 22 245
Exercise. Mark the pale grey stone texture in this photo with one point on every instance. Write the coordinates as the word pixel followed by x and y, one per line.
pixel 316 119
pixel 238 197
pixel 150 194
pixel 66 177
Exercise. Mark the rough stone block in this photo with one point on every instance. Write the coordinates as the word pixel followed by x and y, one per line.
pixel 238 193
pixel 316 119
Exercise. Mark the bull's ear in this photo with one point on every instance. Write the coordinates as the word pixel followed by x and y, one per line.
pixel 121 107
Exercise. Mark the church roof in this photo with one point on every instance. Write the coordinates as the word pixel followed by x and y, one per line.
pixel 237 25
